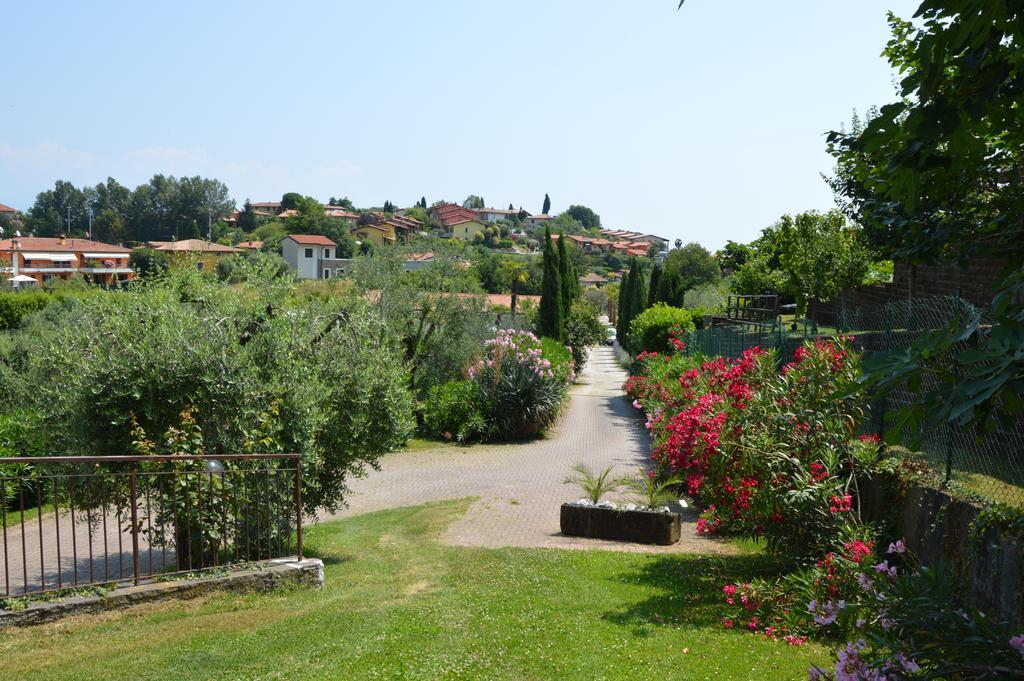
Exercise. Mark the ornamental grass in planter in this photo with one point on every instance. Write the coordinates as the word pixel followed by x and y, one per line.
pixel 649 522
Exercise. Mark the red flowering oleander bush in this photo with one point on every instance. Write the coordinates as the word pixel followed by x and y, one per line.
pixel 768 453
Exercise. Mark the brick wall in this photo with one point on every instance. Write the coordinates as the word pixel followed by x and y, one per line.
pixel 976 283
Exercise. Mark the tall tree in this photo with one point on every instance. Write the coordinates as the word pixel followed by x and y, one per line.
pixel 622 315
pixel 694 264
pixel 550 321
pixel 821 256
pixel 671 289
pixel 567 276
pixel 653 290
pixel 935 176
pixel 423 202
pixel 585 216
pixel 547 205
pixel 474 202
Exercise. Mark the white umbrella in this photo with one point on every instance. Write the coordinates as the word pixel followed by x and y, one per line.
pixel 22 279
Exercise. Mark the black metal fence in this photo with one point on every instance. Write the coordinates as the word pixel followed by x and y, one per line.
pixel 72 522
pixel 988 465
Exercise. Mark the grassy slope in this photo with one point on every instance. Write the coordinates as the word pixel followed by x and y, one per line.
pixel 398 605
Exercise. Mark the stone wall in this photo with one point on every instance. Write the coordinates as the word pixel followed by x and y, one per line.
pixel 938 527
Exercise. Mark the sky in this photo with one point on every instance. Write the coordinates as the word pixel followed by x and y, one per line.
pixel 705 123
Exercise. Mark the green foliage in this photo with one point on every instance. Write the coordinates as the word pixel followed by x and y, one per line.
pixel 519 387
pixel 650 330
pixel 654 287
pixel 106 364
pixel 694 265
pixel 474 202
pixel 547 205
pixel 654 491
pixel 671 289
pixel 821 255
pixel 567 275
pixel 709 298
pixel 15 306
pixel 585 216
pixel 928 179
pixel 439 331
pixel 632 298
pixel 757 277
pixel 550 320
pixel 583 331
pixel 561 359
pixel 454 410
pixel 593 485
pixel 733 255
pixel 149 262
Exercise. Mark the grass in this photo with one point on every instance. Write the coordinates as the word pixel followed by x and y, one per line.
pixel 399 605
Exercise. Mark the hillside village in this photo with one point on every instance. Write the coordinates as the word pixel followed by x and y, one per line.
pixel 316 240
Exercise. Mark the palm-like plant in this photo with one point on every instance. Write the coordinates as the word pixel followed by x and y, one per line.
pixel 594 485
pixel 654 492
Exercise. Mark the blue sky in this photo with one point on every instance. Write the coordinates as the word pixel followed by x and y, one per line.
pixel 704 124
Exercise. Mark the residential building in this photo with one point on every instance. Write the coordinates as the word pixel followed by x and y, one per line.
pixel 47 259
pixel 378 234
pixel 6 213
pixel 450 213
pixel 464 230
pixel 204 254
pixel 495 214
pixel 249 245
pixel 636 238
pixel 539 220
pixel 592 280
pixel 312 256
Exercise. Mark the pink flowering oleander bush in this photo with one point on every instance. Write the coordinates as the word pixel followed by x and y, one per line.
pixel 521 391
pixel 768 452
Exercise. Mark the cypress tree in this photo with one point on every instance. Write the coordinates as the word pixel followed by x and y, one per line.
pixel 565 273
pixel 653 290
pixel 549 318
pixel 621 320
pixel 547 205
pixel 671 291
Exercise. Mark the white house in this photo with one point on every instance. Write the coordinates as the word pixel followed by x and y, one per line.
pixel 313 256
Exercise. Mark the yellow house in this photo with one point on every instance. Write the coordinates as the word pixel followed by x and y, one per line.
pixel 204 254
pixel 465 230
pixel 378 235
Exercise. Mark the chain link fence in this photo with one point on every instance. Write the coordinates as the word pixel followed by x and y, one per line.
pixel 988 466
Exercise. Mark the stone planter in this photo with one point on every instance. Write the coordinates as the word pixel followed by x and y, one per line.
pixel 644 527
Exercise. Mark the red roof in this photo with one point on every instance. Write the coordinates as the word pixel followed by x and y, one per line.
pixel 311 239
pixel 46 243
pixel 452 213
pixel 7 209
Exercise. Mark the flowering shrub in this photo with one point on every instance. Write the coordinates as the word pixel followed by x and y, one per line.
pixel 907 624
pixel 521 390
pixel 769 453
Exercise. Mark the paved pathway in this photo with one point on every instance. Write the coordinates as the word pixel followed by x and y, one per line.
pixel 519 486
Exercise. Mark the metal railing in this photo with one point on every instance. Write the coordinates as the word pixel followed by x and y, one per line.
pixel 77 521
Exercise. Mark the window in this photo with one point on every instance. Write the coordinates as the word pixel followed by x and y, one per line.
pixel 309 252
pixel 200 266
pixel 327 253
pixel 327 273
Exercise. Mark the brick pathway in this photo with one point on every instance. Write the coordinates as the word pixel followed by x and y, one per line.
pixel 519 486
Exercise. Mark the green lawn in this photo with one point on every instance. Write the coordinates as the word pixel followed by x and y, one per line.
pixel 399 605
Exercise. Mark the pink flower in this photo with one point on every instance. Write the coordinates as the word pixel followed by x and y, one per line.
pixel 637 405
pixel 898 547
pixel 1017 643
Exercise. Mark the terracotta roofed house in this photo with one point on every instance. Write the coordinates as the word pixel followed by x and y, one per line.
pixel 52 258
pixel 313 256
pixel 204 253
